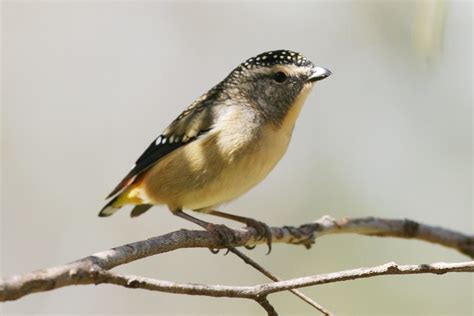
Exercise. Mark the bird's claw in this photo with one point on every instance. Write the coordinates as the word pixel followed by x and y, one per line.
pixel 215 251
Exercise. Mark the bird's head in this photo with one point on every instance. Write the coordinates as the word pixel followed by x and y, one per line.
pixel 274 81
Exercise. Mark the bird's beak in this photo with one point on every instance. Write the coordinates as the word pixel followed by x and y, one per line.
pixel 319 73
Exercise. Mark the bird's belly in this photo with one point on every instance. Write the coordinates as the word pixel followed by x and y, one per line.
pixel 203 174
pixel 234 179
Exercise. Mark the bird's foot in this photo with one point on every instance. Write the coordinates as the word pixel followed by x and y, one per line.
pixel 225 235
pixel 263 231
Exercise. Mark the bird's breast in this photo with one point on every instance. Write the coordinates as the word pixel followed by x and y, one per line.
pixel 237 165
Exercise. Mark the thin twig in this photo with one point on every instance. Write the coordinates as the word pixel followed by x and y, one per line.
pixel 273 277
pixel 263 301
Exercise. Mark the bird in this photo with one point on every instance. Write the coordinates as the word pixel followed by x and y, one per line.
pixel 223 144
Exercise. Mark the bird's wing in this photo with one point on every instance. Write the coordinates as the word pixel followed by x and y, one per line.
pixel 192 123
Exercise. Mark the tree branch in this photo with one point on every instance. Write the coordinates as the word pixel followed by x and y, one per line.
pixel 257 291
pixel 94 269
pixel 405 228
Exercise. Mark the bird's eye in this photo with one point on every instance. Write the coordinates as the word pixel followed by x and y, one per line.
pixel 279 77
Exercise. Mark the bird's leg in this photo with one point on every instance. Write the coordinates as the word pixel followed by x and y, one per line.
pixel 262 229
pixel 225 234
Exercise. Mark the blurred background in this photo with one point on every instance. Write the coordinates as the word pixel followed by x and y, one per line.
pixel 87 85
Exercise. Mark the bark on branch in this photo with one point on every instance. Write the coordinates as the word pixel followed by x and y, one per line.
pixel 94 269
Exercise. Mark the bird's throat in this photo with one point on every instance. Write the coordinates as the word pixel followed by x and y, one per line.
pixel 289 121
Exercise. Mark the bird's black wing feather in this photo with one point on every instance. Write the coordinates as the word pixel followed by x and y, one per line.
pixel 194 122
pixel 152 154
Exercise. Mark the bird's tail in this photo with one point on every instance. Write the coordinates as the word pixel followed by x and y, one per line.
pixel 111 207
pixel 132 196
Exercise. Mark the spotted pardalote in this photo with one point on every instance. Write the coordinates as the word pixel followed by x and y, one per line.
pixel 224 143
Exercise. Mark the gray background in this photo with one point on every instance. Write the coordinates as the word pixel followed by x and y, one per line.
pixel 86 86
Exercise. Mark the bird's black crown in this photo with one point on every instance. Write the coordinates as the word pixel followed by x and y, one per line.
pixel 268 59
pixel 276 57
